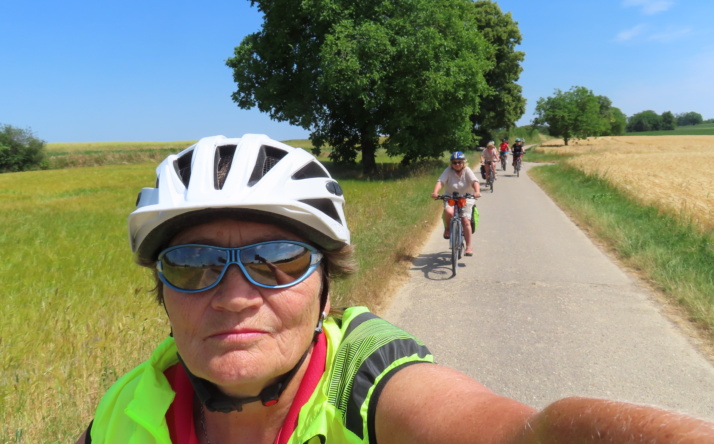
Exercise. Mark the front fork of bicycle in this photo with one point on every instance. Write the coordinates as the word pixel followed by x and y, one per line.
pixel 453 228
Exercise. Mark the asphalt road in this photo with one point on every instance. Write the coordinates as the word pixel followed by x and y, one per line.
pixel 540 312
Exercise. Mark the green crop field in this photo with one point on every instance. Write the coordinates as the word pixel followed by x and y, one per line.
pixel 704 129
pixel 104 147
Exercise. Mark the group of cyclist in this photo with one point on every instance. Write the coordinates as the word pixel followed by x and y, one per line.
pixel 491 155
pixel 459 178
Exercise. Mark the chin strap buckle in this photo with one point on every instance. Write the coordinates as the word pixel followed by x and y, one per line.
pixel 216 401
pixel 320 321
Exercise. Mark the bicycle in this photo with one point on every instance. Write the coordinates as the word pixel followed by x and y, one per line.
pixel 517 166
pixel 503 156
pixel 491 176
pixel 456 239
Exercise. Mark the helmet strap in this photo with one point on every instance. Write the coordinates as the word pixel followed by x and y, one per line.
pixel 216 401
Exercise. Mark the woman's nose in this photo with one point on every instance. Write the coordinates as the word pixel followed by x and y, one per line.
pixel 234 292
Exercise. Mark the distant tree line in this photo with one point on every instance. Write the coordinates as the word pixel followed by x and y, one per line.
pixel 651 121
pixel 579 113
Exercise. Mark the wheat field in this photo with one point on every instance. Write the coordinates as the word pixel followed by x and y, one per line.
pixel 673 173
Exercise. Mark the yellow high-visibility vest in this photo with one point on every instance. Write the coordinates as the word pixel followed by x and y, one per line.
pixel 363 351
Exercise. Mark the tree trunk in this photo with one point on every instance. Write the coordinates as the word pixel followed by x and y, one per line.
pixel 369 154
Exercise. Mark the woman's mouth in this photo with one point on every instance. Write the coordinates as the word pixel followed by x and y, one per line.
pixel 238 335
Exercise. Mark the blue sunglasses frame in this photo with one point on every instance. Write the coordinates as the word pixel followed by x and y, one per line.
pixel 233 256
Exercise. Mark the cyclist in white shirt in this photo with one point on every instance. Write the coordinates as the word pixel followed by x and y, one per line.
pixel 489 157
pixel 460 178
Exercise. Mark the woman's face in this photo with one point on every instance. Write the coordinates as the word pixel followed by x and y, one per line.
pixel 237 335
pixel 457 164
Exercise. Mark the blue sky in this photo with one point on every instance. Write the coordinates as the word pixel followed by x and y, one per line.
pixel 154 70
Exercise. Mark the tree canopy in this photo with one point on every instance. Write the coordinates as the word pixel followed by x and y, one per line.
pixel 669 122
pixel 690 118
pixel 351 72
pixel 644 121
pixel 578 113
pixel 613 120
pixel 20 150
pixel 504 103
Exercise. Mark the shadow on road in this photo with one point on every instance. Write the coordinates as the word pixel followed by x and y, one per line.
pixel 435 266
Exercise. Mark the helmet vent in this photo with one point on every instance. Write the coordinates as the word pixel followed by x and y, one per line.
pixel 324 205
pixel 224 160
pixel 183 167
pixel 309 171
pixel 268 157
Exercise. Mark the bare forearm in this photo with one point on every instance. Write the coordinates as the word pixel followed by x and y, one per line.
pixel 584 420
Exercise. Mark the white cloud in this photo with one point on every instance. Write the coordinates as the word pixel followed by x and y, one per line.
pixel 649 7
pixel 666 35
pixel 631 33
pixel 670 34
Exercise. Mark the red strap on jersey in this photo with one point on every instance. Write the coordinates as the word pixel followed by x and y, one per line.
pixel 179 417
pixel 314 372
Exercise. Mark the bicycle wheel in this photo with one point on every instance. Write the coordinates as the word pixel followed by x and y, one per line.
pixel 492 178
pixel 503 163
pixel 456 236
pixel 518 167
pixel 460 244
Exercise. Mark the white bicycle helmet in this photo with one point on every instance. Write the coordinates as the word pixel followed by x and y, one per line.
pixel 266 181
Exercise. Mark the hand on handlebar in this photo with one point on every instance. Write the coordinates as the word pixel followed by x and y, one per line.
pixel 453 196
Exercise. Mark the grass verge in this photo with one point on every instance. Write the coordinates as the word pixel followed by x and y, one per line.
pixel 670 252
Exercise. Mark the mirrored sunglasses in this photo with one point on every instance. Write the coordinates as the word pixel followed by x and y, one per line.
pixel 191 268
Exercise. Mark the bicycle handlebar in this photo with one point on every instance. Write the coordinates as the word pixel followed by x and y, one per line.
pixel 455 195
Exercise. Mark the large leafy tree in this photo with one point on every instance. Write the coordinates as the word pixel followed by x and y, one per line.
pixel 504 103
pixel 571 114
pixel 351 72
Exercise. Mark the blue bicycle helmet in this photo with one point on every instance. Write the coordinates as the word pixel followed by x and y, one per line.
pixel 458 155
